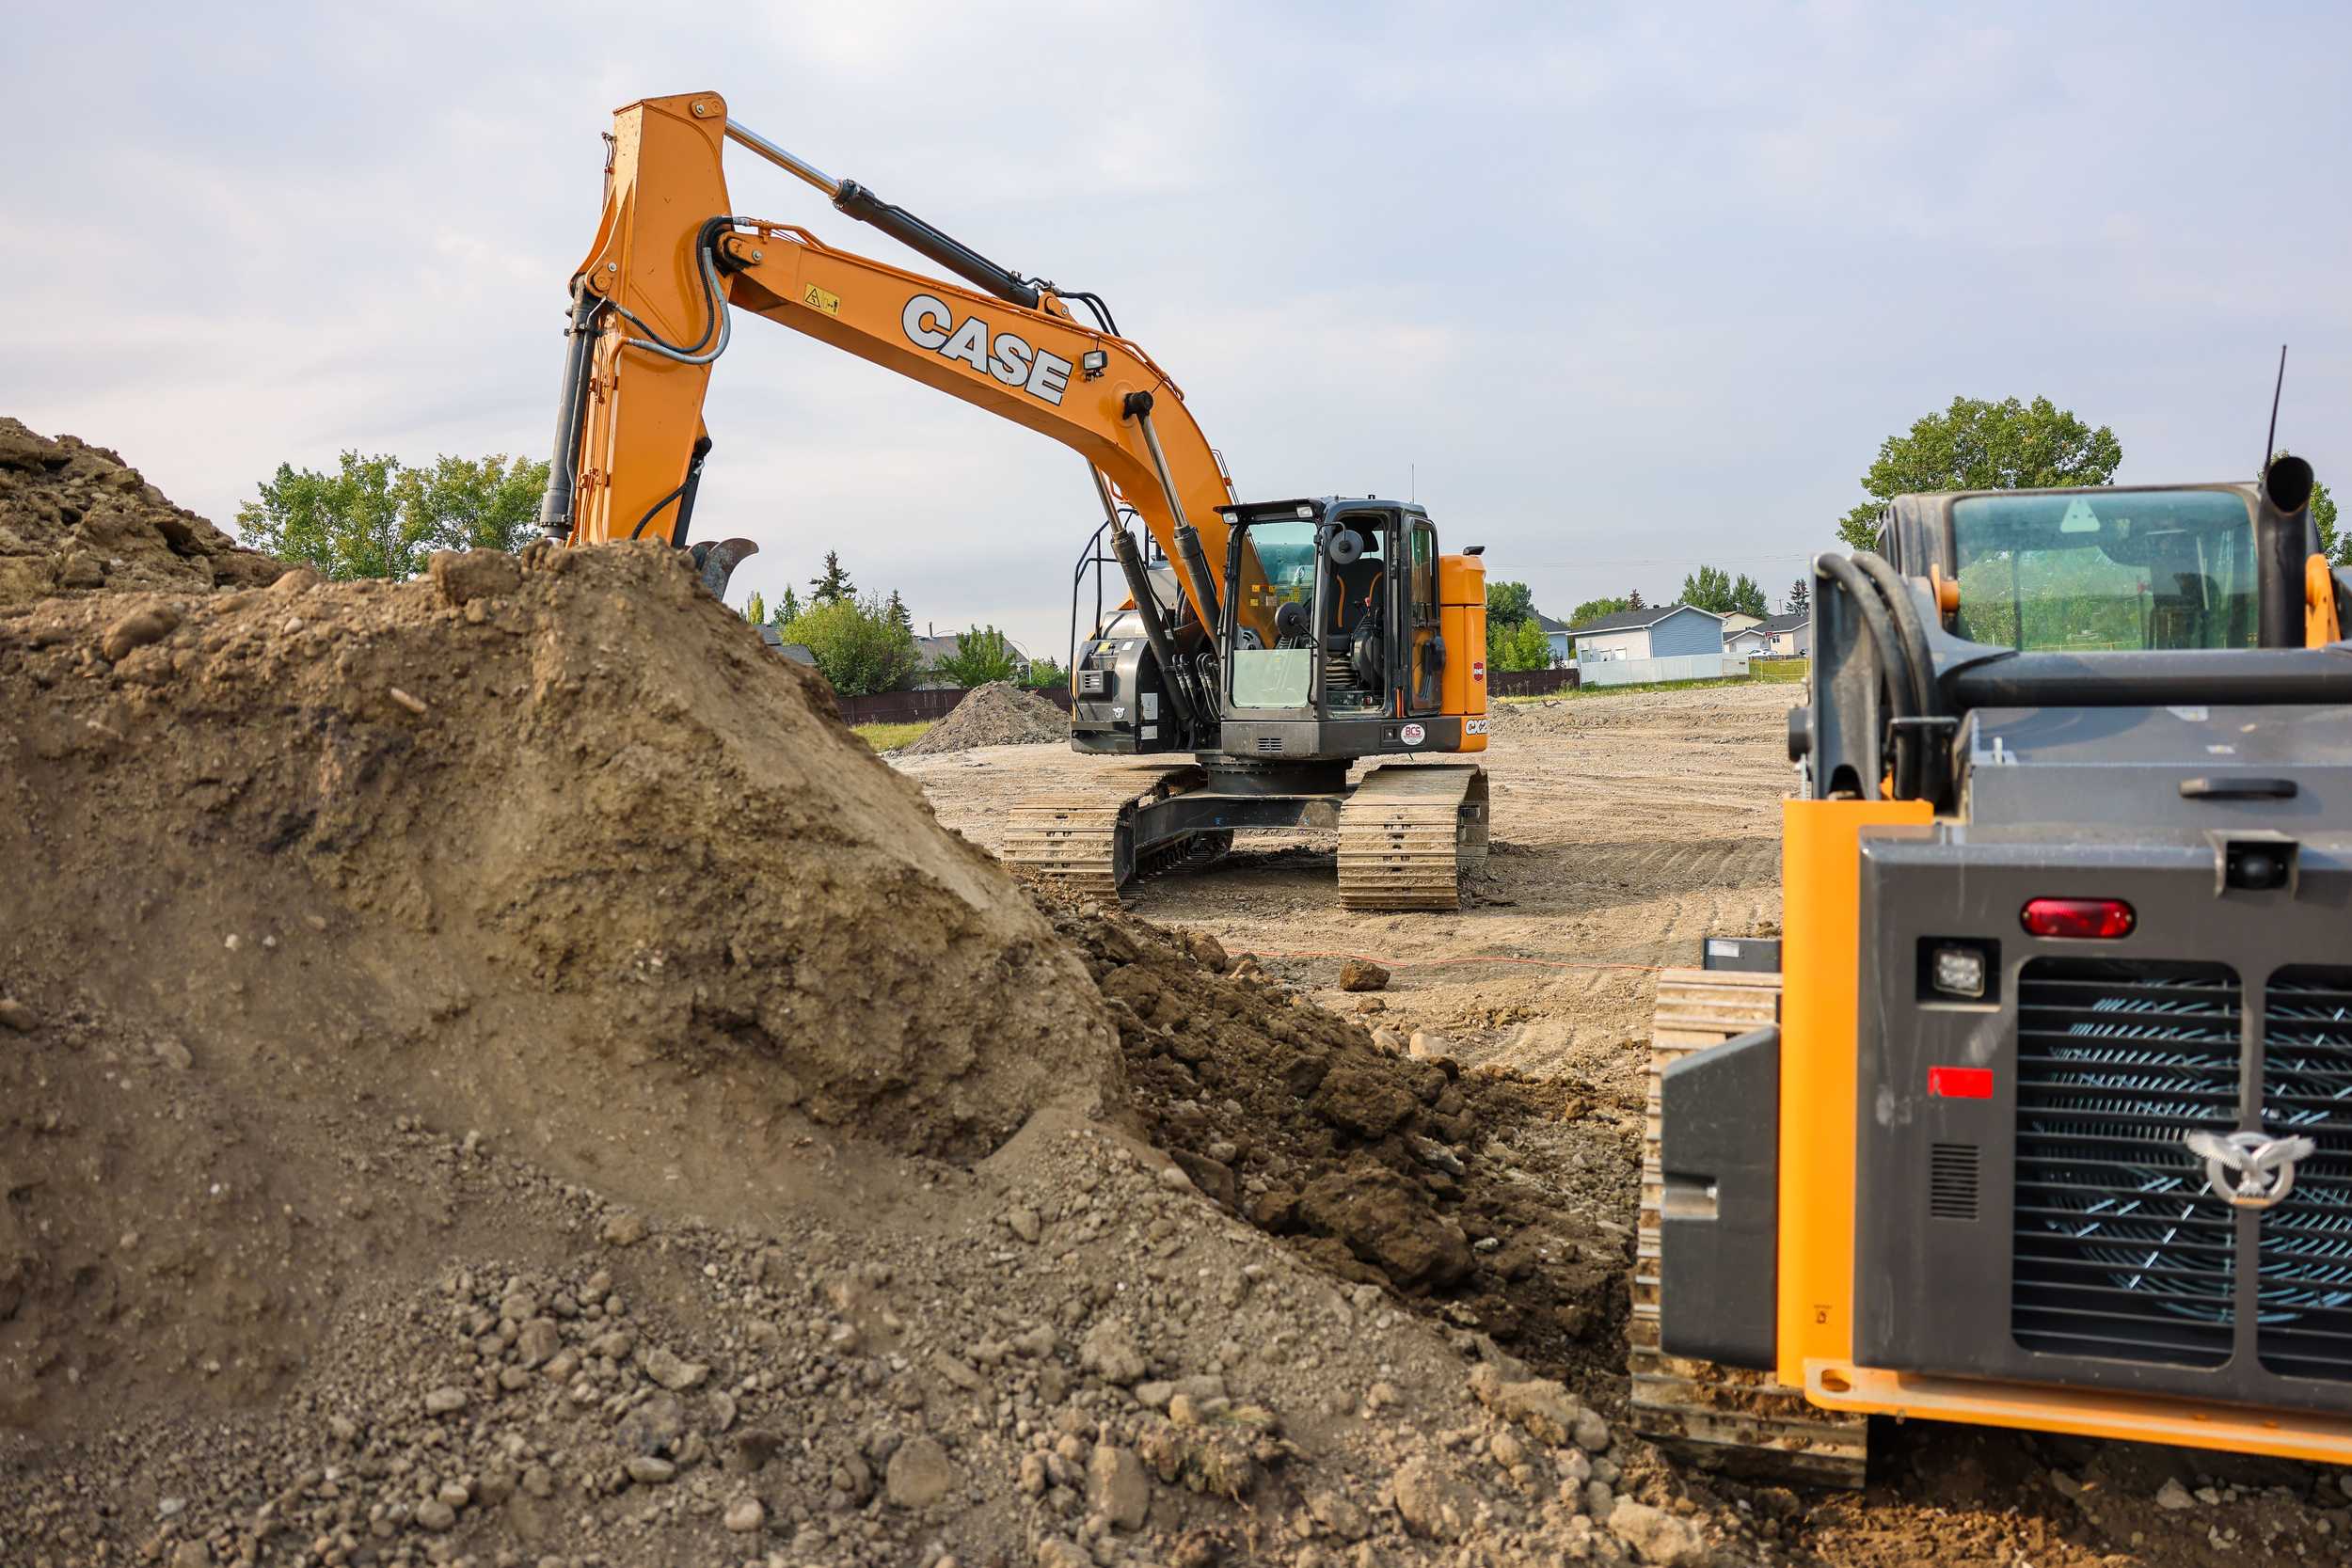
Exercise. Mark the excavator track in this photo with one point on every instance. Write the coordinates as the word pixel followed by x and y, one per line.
pixel 1410 834
pixel 1726 1418
pixel 1082 840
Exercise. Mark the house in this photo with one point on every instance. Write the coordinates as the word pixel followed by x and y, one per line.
pixel 1556 633
pixel 798 653
pixel 1736 620
pixel 1782 636
pixel 1667 631
pixel 930 649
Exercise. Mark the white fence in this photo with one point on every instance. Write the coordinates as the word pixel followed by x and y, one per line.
pixel 1682 667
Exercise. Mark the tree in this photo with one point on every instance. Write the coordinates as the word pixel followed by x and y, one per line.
pixel 1748 599
pixel 832 585
pixel 1708 589
pixel 1526 647
pixel 982 655
pixel 1800 598
pixel 755 610
pixel 856 644
pixel 485 503
pixel 1974 445
pixel 1634 601
pixel 2336 548
pixel 899 613
pixel 1509 603
pixel 788 609
pixel 374 518
pixel 1592 610
pixel 1047 673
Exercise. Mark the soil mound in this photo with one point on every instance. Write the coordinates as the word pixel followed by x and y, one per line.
pixel 998 714
pixel 75 520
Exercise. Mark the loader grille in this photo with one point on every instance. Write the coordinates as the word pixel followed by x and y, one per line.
pixel 2305 1327
pixel 2119 1253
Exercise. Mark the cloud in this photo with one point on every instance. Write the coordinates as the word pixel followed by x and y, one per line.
pixel 1622 288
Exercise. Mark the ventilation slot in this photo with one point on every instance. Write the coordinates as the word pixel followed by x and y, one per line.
pixel 2306 1244
pixel 1269 743
pixel 2118 1250
pixel 1952 1182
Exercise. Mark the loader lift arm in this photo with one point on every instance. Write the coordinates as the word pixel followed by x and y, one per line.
pixel 670 258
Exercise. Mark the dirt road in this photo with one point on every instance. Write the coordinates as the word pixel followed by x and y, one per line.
pixel 1625 830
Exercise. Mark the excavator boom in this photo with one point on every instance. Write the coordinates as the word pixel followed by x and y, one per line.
pixel 670 258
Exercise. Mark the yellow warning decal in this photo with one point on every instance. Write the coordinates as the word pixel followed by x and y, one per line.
pixel 820 299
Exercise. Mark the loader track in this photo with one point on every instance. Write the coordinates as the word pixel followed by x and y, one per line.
pixel 1724 1418
pixel 1082 840
pixel 1410 834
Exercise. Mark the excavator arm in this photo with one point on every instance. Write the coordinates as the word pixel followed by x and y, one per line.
pixel 650 318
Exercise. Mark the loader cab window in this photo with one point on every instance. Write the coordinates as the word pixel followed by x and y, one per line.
pixel 1356 618
pixel 1273 611
pixel 2100 571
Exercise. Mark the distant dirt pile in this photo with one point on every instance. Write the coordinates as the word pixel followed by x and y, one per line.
pixel 75 518
pixel 998 714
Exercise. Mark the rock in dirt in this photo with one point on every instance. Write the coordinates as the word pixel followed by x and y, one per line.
pixel 445 1400
pixel 18 1016
pixel 1117 1486
pixel 1384 1220
pixel 1657 1535
pixel 148 623
pixel 745 1515
pixel 463 576
pixel 1109 1351
pixel 2172 1495
pixel 1432 1503
pixel 998 714
pixel 920 1474
pixel 669 1371
pixel 1363 974
pixel 1543 1407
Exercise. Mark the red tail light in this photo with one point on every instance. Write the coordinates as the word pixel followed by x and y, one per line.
pixel 2079 917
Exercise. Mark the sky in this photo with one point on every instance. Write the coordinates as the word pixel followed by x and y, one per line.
pixel 1612 290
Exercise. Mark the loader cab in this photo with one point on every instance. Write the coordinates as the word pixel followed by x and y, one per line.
pixel 1330 638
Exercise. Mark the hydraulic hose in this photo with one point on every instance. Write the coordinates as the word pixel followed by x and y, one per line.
pixel 1887 644
pixel 717 321
pixel 1919 664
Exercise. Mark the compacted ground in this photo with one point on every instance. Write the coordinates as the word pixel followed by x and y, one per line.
pixel 1627 827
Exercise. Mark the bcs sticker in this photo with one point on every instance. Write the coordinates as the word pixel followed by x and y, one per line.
pixel 1478 669
pixel 1413 734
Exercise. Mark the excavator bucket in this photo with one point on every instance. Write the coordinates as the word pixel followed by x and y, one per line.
pixel 716 561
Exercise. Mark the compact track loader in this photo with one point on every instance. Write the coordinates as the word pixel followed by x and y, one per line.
pixel 2041 1114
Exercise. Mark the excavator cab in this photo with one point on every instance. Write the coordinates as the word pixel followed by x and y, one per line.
pixel 1334 642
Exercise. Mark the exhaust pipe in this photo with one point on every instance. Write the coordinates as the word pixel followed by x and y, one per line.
pixel 2284 540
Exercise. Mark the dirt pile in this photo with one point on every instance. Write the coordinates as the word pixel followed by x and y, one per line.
pixel 490 1065
pixel 75 518
pixel 998 714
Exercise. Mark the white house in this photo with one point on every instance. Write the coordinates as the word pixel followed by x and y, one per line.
pixel 1736 620
pixel 1660 632
pixel 1782 636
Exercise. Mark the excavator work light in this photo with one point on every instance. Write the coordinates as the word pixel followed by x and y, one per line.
pixel 1094 362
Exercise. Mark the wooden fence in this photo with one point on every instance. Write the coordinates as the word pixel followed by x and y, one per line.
pixel 1531 683
pixel 912 707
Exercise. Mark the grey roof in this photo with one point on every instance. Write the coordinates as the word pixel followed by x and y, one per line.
pixel 1548 625
pixel 1782 623
pixel 797 652
pixel 1633 620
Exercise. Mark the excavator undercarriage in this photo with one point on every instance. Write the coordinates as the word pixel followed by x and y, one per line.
pixel 1408 835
